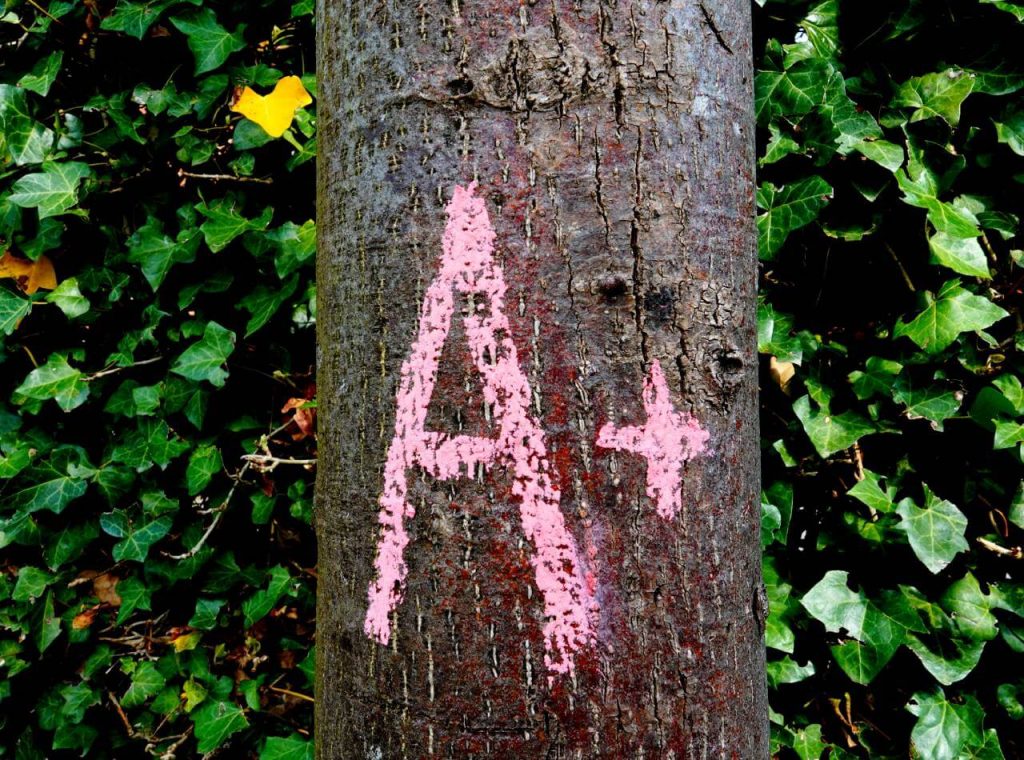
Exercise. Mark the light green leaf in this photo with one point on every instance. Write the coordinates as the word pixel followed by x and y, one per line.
pixel 788 670
pixel 791 93
pixel 936 532
pixel 808 744
pixel 952 311
pixel 224 221
pixel 21 136
pixel 13 309
pixel 55 380
pixel 204 359
pixel 939 94
pixel 876 378
pixel 134 18
pixel 52 191
pixel 963 255
pixel 1008 433
pixel 787 209
pixel 1010 129
pixel 32 583
pixel 869 492
pixel 69 298
pixel 293 748
pixel 971 609
pixel 943 729
pixel 1010 386
pixel 204 463
pixel 929 402
pixel 215 722
pixel 1017 9
pixel 830 432
pixel 146 683
pixel 210 43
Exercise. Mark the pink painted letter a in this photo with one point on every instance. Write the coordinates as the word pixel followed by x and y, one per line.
pixel 468 268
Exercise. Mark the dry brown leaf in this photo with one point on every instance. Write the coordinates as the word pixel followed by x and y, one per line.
pixel 85 618
pixel 304 418
pixel 30 275
pixel 104 586
pixel 782 373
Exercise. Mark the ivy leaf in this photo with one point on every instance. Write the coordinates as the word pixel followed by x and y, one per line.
pixel 204 359
pixel 869 492
pixel 215 722
pixel 936 532
pixel 292 748
pixel 136 539
pixel 1010 386
pixel 32 582
pixel 263 302
pixel 787 209
pixel 224 222
pixel 134 18
pixel 1010 129
pixel 13 309
pixel 257 606
pixel 295 244
pixel 204 463
pixel 55 380
pixel 971 609
pixel 211 43
pixel 791 93
pixel 1016 9
pixel 936 95
pixel 931 403
pixel 43 74
pixel 205 616
pixel 148 445
pixel 1008 433
pixel 953 310
pixel 876 378
pixel 273 112
pixel 962 255
pixel 52 191
pixel 21 136
pixel 877 634
pixel 943 729
pixel 146 683
pixel 830 432
pixel 135 595
pixel 69 299
pixel 156 253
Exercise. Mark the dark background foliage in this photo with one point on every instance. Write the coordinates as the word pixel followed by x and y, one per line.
pixel 157 563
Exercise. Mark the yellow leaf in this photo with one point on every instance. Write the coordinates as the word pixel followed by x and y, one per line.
pixel 273 112
pixel 30 275
pixel 186 642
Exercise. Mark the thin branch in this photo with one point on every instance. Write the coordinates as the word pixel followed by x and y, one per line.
pixel 266 462
pixel 291 693
pixel 216 518
pixel 115 370
pixel 1014 552
pixel 225 177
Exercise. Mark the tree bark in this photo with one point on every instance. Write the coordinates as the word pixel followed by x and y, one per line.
pixel 538 453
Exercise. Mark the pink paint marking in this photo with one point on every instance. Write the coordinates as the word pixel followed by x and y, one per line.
pixel 666 440
pixel 468 267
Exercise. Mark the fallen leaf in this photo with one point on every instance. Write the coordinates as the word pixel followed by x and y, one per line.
pixel 104 587
pixel 782 373
pixel 30 275
pixel 275 111
pixel 303 416
pixel 85 618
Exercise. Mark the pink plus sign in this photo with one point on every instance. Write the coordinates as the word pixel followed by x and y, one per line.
pixel 666 440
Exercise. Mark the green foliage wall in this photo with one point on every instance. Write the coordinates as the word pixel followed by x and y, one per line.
pixel 890 202
pixel 156 587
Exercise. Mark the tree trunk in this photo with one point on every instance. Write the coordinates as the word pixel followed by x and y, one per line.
pixel 537 501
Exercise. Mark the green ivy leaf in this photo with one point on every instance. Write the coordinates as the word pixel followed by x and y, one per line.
pixel 135 595
pixel 1017 9
pixel 216 722
pixel 204 463
pixel 156 253
pixel 936 95
pixel 13 309
pixel 149 444
pixel 137 539
pixel 52 191
pixel 204 359
pixel 257 606
pixel 135 18
pixel 224 222
pixel 210 43
pixel 953 310
pixel 930 402
pixel 21 136
pixel 830 432
pixel 32 583
pixel 792 93
pixel 943 729
pixel 69 298
pixel 43 74
pixel 146 683
pixel 55 380
pixel 263 302
pixel 936 532
pixel 787 209
pixel 1008 434
pixel 292 748
pixel 962 255
pixel 869 492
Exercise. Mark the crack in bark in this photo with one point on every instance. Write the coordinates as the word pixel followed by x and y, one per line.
pixel 710 21
pixel 638 255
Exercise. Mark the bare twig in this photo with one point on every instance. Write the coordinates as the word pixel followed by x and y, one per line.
pixel 291 693
pixel 266 462
pixel 216 518
pixel 1013 552
pixel 115 370
pixel 225 177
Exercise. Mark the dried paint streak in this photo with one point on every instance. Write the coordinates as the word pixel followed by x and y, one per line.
pixel 468 268
pixel 666 440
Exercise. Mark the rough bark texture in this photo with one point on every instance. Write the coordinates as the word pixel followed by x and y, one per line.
pixel 612 142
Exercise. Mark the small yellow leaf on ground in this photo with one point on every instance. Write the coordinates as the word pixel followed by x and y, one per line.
pixel 30 275
pixel 273 112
